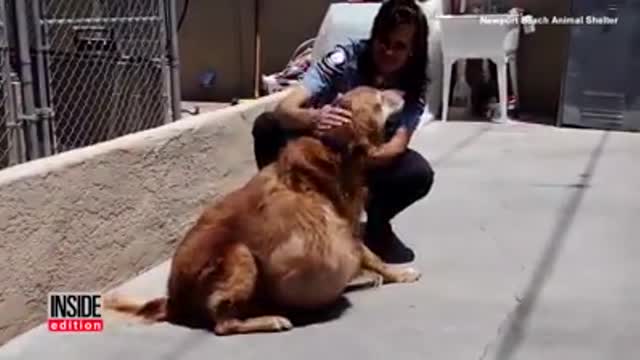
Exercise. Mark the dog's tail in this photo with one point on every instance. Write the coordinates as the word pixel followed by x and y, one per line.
pixel 152 311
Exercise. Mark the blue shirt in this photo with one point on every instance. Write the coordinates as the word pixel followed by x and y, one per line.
pixel 337 72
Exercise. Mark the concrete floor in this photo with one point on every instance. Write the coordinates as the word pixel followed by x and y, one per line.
pixel 528 246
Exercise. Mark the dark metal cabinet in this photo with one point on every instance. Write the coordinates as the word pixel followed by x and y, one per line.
pixel 602 80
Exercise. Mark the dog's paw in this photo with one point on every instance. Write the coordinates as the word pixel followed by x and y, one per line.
pixel 377 280
pixel 372 280
pixel 281 323
pixel 366 279
pixel 110 299
pixel 251 325
pixel 407 275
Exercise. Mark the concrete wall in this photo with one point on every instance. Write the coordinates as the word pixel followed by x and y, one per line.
pixel 206 43
pixel 90 218
pixel 285 24
pixel 218 36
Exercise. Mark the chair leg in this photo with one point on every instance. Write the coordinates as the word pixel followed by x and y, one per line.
pixel 446 86
pixel 434 94
pixel 513 72
pixel 502 89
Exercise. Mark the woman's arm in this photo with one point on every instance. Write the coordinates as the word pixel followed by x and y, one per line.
pixel 291 112
pixel 409 119
pixel 382 155
pixel 319 80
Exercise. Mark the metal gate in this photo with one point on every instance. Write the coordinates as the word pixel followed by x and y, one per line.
pixel 12 147
pixel 601 90
pixel 85 71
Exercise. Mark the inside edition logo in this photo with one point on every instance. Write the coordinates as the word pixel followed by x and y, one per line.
pixel 75 312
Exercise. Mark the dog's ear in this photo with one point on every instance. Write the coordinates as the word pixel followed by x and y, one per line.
pixel 342 101
pixel 393 94
pixel 342 135
pixel 393 98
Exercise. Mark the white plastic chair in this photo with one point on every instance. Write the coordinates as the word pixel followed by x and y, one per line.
pixel 344 22
pixel 472 37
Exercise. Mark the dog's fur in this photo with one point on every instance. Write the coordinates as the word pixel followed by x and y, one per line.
pixel 289 238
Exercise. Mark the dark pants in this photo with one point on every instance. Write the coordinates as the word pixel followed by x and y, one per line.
pixel 481 91
pixel 392 188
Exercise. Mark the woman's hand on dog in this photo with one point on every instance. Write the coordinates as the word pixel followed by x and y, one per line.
pixel 329 117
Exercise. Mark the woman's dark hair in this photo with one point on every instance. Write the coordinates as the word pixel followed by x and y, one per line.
pixel 393 13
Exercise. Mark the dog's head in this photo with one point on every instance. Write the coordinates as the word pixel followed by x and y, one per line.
pixel 335 163
pixel 370 108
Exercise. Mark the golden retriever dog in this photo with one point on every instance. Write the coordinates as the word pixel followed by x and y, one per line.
pixel 287 239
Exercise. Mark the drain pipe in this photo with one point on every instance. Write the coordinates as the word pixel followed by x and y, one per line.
pixel 26 79
pixel 45 112
pixel 176 96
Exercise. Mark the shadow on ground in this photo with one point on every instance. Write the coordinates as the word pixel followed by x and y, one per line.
pixel 515 330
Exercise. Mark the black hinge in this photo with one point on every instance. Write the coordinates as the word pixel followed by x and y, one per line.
pixel 44 113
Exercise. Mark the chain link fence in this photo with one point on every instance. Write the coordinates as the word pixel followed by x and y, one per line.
pixel 5 116
pixel 85 71
pixel 8 146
